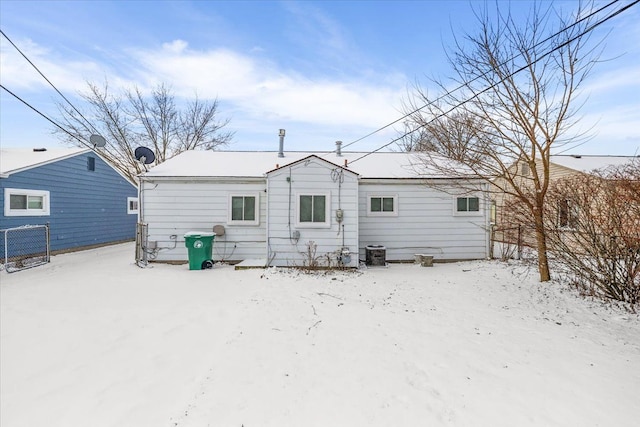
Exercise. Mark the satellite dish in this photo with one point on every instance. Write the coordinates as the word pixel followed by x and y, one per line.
pixel 97 141
pixel 144 155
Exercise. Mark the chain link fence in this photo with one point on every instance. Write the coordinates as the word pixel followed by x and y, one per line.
pixel 24 247
pixel 512 242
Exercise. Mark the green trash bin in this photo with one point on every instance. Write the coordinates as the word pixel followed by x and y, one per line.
pixel 200 245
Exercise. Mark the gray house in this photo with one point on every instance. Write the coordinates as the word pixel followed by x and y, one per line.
pixel 284 211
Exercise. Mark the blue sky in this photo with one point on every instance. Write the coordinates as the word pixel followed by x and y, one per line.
pixel 324 71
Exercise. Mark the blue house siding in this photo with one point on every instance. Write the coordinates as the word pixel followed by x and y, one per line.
pixel 86 207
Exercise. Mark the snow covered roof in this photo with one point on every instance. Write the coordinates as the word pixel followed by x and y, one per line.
pixel 258 163
pixel 14 160
pixel 590 163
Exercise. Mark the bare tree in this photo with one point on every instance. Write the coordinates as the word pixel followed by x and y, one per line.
pixel 596 234
pixel 130 119
pixel 458 136
pixel 517 87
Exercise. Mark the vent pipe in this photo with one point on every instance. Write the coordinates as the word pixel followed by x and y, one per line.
pixel 281 147
pixel 338 148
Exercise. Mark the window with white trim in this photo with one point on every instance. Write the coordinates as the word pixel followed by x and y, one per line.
pixel 313 210
pixel 382 205
pixel 19 202
pixel 467 205
pixel 132 205
pixel 244 209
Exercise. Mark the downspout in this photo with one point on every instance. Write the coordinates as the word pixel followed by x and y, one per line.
pixel 140 200
pixel 487 219
pixel 268 248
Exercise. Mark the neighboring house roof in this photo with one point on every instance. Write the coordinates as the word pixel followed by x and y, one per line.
pixel 590 163
pixel 258 163
pixel 13 160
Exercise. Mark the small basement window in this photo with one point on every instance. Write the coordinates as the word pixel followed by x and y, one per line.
pixel 132 205
pixel 386 205
pixel 19 202
pixel 244 209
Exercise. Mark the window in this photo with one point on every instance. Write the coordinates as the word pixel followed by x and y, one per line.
pixel 91 164
pixel 19 202
pixel 567 214
pixel 243 209
pixel 380 205
pixel 468 204
pixel 493 215
pixel 313 210
pixel 132 205
pixel 525 169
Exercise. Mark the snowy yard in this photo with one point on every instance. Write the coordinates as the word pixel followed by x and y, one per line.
pixel 92 340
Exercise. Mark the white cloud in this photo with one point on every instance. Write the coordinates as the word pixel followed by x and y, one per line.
pixel 66 75
pixel 258 87
pixel 254 91
pixel 623 78
pixel 176 46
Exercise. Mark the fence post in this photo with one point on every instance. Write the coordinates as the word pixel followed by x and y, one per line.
pixel 47 231
pixel 519 241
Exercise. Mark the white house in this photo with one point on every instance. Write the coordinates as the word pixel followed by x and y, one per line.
pixel 328 206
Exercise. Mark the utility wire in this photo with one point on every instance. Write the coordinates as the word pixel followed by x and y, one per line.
pixel 43 115
pixel 48 81
pixel 462 85
pixel 84 143
pixel 589 29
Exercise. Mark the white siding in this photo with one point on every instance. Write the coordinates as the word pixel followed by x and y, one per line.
pixel 178 206
pixel 312 176
pixel 426 223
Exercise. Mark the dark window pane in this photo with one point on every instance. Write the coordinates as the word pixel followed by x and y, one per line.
pixel 376 204
pixel 306 205
pixel 236 208
pixel 318 208
pixel 462 204
pixel 91 163
pixel 474 204
pixel 249 208
pixel 387 204
pixel 18 201
pixel 564 214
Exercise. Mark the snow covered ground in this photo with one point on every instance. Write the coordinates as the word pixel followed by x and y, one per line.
pixel 92 340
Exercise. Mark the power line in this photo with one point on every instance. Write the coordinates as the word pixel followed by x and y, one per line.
pixel 48 81
pixel 83 143
pixel 589 29
pixel 43 115
pixel 462 85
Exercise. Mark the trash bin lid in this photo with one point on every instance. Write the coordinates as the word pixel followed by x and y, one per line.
pixel 199 233
pixel 375 247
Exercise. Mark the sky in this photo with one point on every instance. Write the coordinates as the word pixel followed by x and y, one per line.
pixel 322 70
